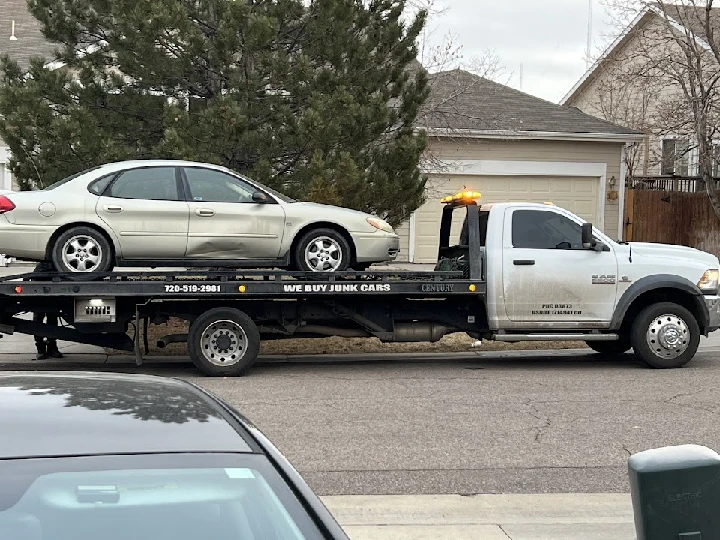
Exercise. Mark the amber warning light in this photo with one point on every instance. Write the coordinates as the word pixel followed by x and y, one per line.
pixel 466 196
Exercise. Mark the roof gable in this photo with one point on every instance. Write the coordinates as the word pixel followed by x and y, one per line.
pixel 676 15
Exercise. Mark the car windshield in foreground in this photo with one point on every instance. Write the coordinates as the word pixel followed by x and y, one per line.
pixel 68 179
pixel 150 497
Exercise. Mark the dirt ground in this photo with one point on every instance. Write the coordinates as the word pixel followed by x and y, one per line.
pixel 336 345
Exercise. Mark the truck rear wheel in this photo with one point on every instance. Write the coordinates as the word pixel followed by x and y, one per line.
pixel 223 342
pixel 665 336
pixel 610 348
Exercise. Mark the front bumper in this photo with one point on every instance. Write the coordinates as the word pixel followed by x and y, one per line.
pixel 713 306
pixel 376 247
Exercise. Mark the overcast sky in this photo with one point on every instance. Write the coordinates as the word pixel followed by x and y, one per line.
pixel 548 37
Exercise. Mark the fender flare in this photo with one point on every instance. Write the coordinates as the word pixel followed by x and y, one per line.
pixel 660 281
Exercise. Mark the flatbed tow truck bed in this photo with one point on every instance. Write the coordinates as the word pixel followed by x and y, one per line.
pixel 244 307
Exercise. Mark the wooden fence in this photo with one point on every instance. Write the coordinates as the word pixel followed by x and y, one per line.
pixel 671 217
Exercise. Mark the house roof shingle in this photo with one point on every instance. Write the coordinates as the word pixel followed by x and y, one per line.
pixel 30 41
pixel 462 101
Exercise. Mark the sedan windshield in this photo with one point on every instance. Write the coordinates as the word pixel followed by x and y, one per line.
pixel 150 497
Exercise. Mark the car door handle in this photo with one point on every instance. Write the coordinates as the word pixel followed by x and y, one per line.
pixel 524 262
pixel 204 212
pixel 114 208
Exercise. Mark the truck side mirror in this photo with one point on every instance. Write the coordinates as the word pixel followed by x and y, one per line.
pixel 588 242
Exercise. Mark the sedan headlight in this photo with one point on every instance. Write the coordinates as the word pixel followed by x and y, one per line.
pixel 380 224
pixel 709 282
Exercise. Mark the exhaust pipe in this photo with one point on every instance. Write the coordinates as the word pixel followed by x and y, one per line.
pixel 172 338
pixel 420 332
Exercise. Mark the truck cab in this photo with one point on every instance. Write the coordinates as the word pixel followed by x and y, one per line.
pixel 550 276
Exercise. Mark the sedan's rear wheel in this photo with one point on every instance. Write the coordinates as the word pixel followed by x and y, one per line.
pixel 322 250
pixel 82 250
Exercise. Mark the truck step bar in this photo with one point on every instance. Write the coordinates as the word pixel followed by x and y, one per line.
pixel 514 338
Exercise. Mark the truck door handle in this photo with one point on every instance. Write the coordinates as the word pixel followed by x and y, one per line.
pixel 523 262
pixel 114 208
pixel 204 212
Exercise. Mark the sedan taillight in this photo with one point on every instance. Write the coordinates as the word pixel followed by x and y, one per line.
pixel 6 205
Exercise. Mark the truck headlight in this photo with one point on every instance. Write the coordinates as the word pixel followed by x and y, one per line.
pixel 381 224
pixel 709 282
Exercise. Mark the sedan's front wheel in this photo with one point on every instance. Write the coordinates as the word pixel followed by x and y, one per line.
pixel 82 250
pixel 322 250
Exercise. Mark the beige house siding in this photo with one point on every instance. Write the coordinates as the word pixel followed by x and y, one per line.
pixel 403 232
pixel 578 194
pixel 612 92
pixel 558 151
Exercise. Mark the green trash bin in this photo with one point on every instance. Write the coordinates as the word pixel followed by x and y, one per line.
pixel 676 493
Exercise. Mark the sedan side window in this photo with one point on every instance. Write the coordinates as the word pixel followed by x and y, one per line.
pixel 207 185
pixel 152 184
pixel 99 186
pixel 537 229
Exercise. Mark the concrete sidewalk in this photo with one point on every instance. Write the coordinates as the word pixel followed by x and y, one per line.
pixel 485 517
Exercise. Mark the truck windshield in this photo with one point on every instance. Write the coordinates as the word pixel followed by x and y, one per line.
pixel 160 497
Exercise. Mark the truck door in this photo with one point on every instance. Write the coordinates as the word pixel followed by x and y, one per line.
pixel 548 277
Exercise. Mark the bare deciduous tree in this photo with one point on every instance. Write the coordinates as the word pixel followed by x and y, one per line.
pixel 676 60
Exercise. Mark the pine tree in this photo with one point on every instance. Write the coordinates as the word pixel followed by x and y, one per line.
pixel 314 99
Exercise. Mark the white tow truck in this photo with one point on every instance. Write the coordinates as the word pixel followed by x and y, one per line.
pixel 515 272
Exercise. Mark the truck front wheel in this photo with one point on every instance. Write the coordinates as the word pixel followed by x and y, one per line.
pixel 665 335
pixel 223 342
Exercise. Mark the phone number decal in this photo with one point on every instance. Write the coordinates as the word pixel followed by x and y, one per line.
pixel 192 288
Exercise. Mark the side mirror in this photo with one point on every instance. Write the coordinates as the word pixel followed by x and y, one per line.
pixel 259 197
pixel 588 242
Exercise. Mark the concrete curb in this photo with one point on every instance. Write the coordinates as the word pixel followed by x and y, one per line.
pixel 369 357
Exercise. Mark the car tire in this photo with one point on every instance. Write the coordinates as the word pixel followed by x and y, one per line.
pixel 223 342
pixel 322 251
pixel 610 348
pixel 665 336
pixel 81 251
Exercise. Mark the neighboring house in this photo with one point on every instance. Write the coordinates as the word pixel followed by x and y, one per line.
pixel 511 146
pixel 21 39
pixel 625 86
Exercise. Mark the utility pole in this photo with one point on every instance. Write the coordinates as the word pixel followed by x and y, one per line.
pixel 521 76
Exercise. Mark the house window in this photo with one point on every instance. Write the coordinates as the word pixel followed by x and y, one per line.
pixel 675 157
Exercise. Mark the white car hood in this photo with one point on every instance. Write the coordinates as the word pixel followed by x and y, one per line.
pixel 670 251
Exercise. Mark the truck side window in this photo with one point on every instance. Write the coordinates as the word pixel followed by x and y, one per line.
pixel 537 229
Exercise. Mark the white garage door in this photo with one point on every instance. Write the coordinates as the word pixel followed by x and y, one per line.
pixel 579 195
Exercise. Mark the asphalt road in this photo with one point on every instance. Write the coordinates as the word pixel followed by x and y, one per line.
pixel 523 423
